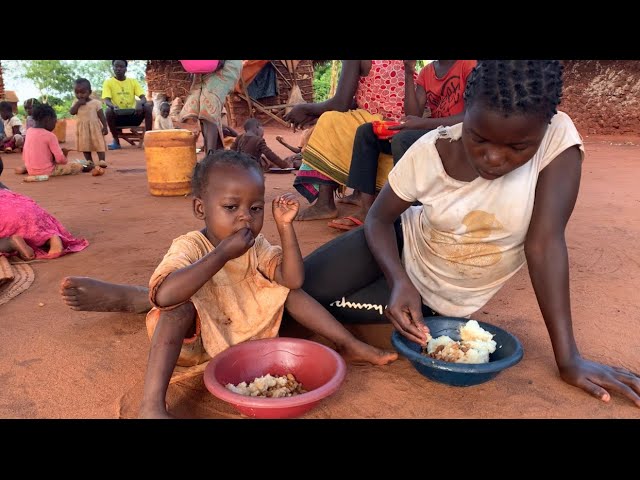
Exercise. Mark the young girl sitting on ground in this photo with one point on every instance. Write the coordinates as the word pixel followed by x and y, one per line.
pixel 92 124
pixel 42 155
pixel 252 143
pixel 163 121
pixel 226 284
pixel 29 231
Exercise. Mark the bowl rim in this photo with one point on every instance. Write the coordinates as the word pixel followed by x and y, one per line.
pixel 401 345
pixel 315 395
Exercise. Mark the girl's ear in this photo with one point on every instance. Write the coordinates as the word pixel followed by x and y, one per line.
pixel 198 208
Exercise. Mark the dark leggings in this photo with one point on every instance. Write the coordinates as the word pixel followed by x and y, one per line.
pixel 345 278
pixel 366 150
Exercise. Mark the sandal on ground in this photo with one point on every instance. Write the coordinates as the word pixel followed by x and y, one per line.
pixel 114 146
pixel 102 163
pixel 356 223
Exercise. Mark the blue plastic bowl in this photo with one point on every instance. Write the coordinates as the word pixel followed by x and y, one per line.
pixel 508 353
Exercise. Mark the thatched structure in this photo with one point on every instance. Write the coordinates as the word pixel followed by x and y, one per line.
pixel 169 77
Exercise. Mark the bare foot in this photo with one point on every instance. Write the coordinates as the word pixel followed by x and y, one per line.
pixel 20 170
pixel 55 246
pixel 25 252
pixel 353 199
pixel 358 351
pixel 91 295
pixel 314 212
pixel 155 413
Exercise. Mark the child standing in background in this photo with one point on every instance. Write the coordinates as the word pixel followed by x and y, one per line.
pixel 163 121
pixel 92 124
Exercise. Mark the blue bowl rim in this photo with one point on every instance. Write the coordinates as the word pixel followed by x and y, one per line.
pixel 400 343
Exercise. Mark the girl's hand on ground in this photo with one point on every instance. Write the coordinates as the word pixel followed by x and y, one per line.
pixel 237 244
pixel 285 208
pixel 405 312
pixel 598 380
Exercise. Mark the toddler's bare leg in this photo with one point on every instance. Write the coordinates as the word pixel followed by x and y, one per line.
pixel 172 328
pixel 308 312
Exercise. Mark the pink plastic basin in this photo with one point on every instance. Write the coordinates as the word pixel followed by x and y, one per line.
pixel 200 66
pixel 320 369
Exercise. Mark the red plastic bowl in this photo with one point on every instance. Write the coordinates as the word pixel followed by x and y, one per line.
pixel 200 66
pixel 320 369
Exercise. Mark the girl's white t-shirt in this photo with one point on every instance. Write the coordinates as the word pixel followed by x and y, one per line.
pixel 467 238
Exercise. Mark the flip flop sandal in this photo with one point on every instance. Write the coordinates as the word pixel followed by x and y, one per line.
pixel 341 226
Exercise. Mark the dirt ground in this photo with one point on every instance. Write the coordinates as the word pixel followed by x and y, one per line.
pixel 57 363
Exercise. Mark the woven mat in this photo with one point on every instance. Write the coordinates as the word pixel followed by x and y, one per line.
pixel 23 277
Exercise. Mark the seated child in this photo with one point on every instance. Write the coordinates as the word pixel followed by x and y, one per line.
pixel 163 121
pixel 296 158
pixel 225 284
pixel 252 143
pixel 29 231
pixel 13 130
pixel 28 107
pixel 42 155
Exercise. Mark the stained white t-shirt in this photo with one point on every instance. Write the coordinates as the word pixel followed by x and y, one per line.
pixel 467 238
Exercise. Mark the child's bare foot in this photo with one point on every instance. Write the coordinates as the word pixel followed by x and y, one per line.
pixel 25 252
pixel 353 199
pixel 20 170
pixel 314 212
pixel 55 246
pixel 91 295
pixel 358 351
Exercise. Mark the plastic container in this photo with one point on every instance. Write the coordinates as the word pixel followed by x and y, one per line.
pixel 60 131
pixel 508 353
pixel 200 66
pixel 320 369
pixel 171 157
pixel 381 129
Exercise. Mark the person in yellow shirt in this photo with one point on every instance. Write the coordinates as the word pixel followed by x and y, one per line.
pixel 119 94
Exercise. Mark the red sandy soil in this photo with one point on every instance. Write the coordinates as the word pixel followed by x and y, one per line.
pixel 57 363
